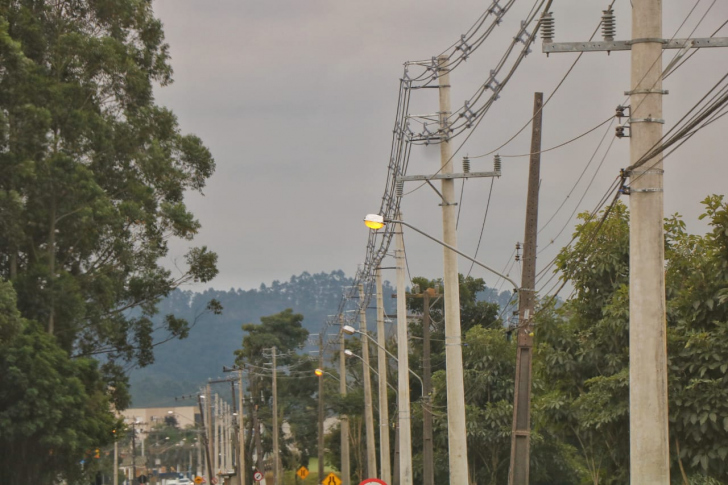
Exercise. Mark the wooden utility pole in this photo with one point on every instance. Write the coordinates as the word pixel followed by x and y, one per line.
pixel 403 390
pixel 345 469
pixel 457 438
pixel 384 453
pixel 276 451
pixel 428 457
pixel 116 461
pixel 368 408
pixel 521 435
pixel 321 409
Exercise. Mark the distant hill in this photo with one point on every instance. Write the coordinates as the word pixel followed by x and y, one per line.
pixel 181 366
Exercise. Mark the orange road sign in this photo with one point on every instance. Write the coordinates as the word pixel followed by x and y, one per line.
pixel 331 479
pixel 302 472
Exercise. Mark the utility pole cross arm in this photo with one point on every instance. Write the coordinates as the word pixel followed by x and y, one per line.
pixel 625 45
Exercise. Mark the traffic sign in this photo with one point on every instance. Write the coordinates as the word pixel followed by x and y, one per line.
pixel 331 479
pixel 257 476
pixel 302 472
pixel 199 480
pixel 373 481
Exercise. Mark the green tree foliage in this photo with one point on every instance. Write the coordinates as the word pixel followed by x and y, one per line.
pixel 296 385
pixel 54 410
pixel 698 343
pixel 582 352
pixel 313 295
pixel 94 175
pixel 583 355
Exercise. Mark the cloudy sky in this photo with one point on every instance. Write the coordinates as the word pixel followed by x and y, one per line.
pixel 296 100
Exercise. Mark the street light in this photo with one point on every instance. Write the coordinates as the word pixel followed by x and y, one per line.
pixel 375 221
pixel 457 435
pixel 349 330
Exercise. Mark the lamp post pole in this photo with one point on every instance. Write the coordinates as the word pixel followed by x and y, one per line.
pixel 321 409
pixel 345 471
pixel 384 458
pixel 368 408
pixel 403 394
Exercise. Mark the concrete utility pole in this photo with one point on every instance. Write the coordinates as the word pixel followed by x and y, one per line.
pixel 344 419
pixel 648 414
pixel 428 456
pixel 521 434
pixel 258 440
pixel 403 390
pixel 199 471
pixel 205 416
pixel 321 409
pixel 384 458
pixel 368 408
pixel 276 451
pixel 216 436
pixel 241 430
pixel 228 437
pixel 457 439
pixel 397 461
pixel 210 425
pixel 133 452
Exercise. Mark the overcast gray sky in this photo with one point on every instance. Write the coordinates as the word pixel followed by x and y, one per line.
pixel 296 100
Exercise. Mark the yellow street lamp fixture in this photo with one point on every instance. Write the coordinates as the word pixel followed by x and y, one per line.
pixel 374 221
pixel 318 372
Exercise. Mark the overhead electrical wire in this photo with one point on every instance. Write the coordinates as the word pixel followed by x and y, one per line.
pixel 404 138
pixel 378 245
pixel 482 228
pixel 480 114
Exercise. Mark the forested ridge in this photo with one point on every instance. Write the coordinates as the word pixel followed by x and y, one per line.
pixel 181 366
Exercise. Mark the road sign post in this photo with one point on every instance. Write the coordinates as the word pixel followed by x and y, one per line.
pixel 302 472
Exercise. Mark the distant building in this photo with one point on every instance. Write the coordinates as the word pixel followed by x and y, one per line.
pixel 147 418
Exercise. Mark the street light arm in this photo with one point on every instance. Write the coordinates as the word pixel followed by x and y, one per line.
pixel 442 243
pixel 372 369
pixel 390 354
pixel 337 378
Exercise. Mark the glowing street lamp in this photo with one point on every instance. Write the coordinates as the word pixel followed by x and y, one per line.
pixel 318 372
pixel 374 221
